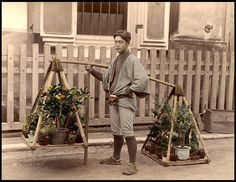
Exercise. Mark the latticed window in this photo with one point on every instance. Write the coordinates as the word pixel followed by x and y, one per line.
pixel 101 18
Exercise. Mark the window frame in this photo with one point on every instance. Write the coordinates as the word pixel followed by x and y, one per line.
pixel 97 40
pixel 137 16
pixel 61 35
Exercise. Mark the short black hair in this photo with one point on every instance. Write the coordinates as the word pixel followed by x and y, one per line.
pixel 126 36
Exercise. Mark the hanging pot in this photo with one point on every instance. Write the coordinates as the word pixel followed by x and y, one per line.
pixel 59 136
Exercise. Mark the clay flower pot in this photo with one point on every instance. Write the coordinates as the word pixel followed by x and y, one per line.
pixel 43 140
pixel 59 136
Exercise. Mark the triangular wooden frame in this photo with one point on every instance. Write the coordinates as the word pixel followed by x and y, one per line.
pixel 55 67
pixel 177 93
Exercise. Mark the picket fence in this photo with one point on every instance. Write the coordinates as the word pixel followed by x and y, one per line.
pixel 207 79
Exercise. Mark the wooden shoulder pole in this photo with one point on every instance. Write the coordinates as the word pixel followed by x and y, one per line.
pixel 162 82
pixel 84 63
pixel 104 66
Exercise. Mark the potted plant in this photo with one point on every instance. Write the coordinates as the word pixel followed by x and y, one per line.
pixel 152 136
pixel 30 123
pixel 182 127
pixel 44 133
pixel 159 135
pixel 25 129
pixel 43 138
pixel 59 106
pixel 195 152
pixel 74 128
pixel 71 138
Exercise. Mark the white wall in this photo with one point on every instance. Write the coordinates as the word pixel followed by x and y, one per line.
pixel 194 16
pixel 14 16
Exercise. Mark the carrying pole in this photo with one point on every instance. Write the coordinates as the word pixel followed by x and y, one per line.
pixel 104 66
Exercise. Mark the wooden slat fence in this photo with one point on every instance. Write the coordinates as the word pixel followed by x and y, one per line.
pixel 207 79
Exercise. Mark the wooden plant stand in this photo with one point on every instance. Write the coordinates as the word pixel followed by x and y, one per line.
pixel 55 67
pixel 165 161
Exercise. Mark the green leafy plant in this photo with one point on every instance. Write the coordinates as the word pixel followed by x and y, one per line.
pixel 161 107
pixel 47 130
pixel 159 132
pixel 154 130
pixel 26 126
pixel 194 144
pixel 164 145
pixel 175 139
pixel 61 103
pixel 163 115
pixel 30 122
pixel 72 137
pixel 183 122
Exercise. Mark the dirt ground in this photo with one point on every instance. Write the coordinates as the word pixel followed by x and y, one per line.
pixel 14 166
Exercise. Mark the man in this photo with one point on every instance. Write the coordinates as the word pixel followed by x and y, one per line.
pixel 125 79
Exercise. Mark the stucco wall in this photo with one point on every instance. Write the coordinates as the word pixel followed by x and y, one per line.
pixel 14 25
pixel 14 16
pixel 194 16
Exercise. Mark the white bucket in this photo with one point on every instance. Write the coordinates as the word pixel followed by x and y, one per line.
pixel 182 152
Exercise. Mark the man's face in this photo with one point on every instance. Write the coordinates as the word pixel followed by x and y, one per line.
pixel 120 44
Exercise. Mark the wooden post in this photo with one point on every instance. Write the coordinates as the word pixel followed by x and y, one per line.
pixel 35 72
pixel 63 77
pixel 41 89
pixel 86 120
pixel 221 100
pixel 197 91
pixel 62 74
pixel 35 139
pixel 81 130
pixel 181 68
pixel 142 108
pixel 91 56
pixel 153 55
pixel 197 130
pixel 205 86
pixel 230 90
pixel 172 128
pixel 80 68
pixel 214 83
pixel 10 85
pixel 47 57
pixel 83 136
pixel 162 59
pixel 102 96
pixel 188 91
pixel 22 112
pixel 70 68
